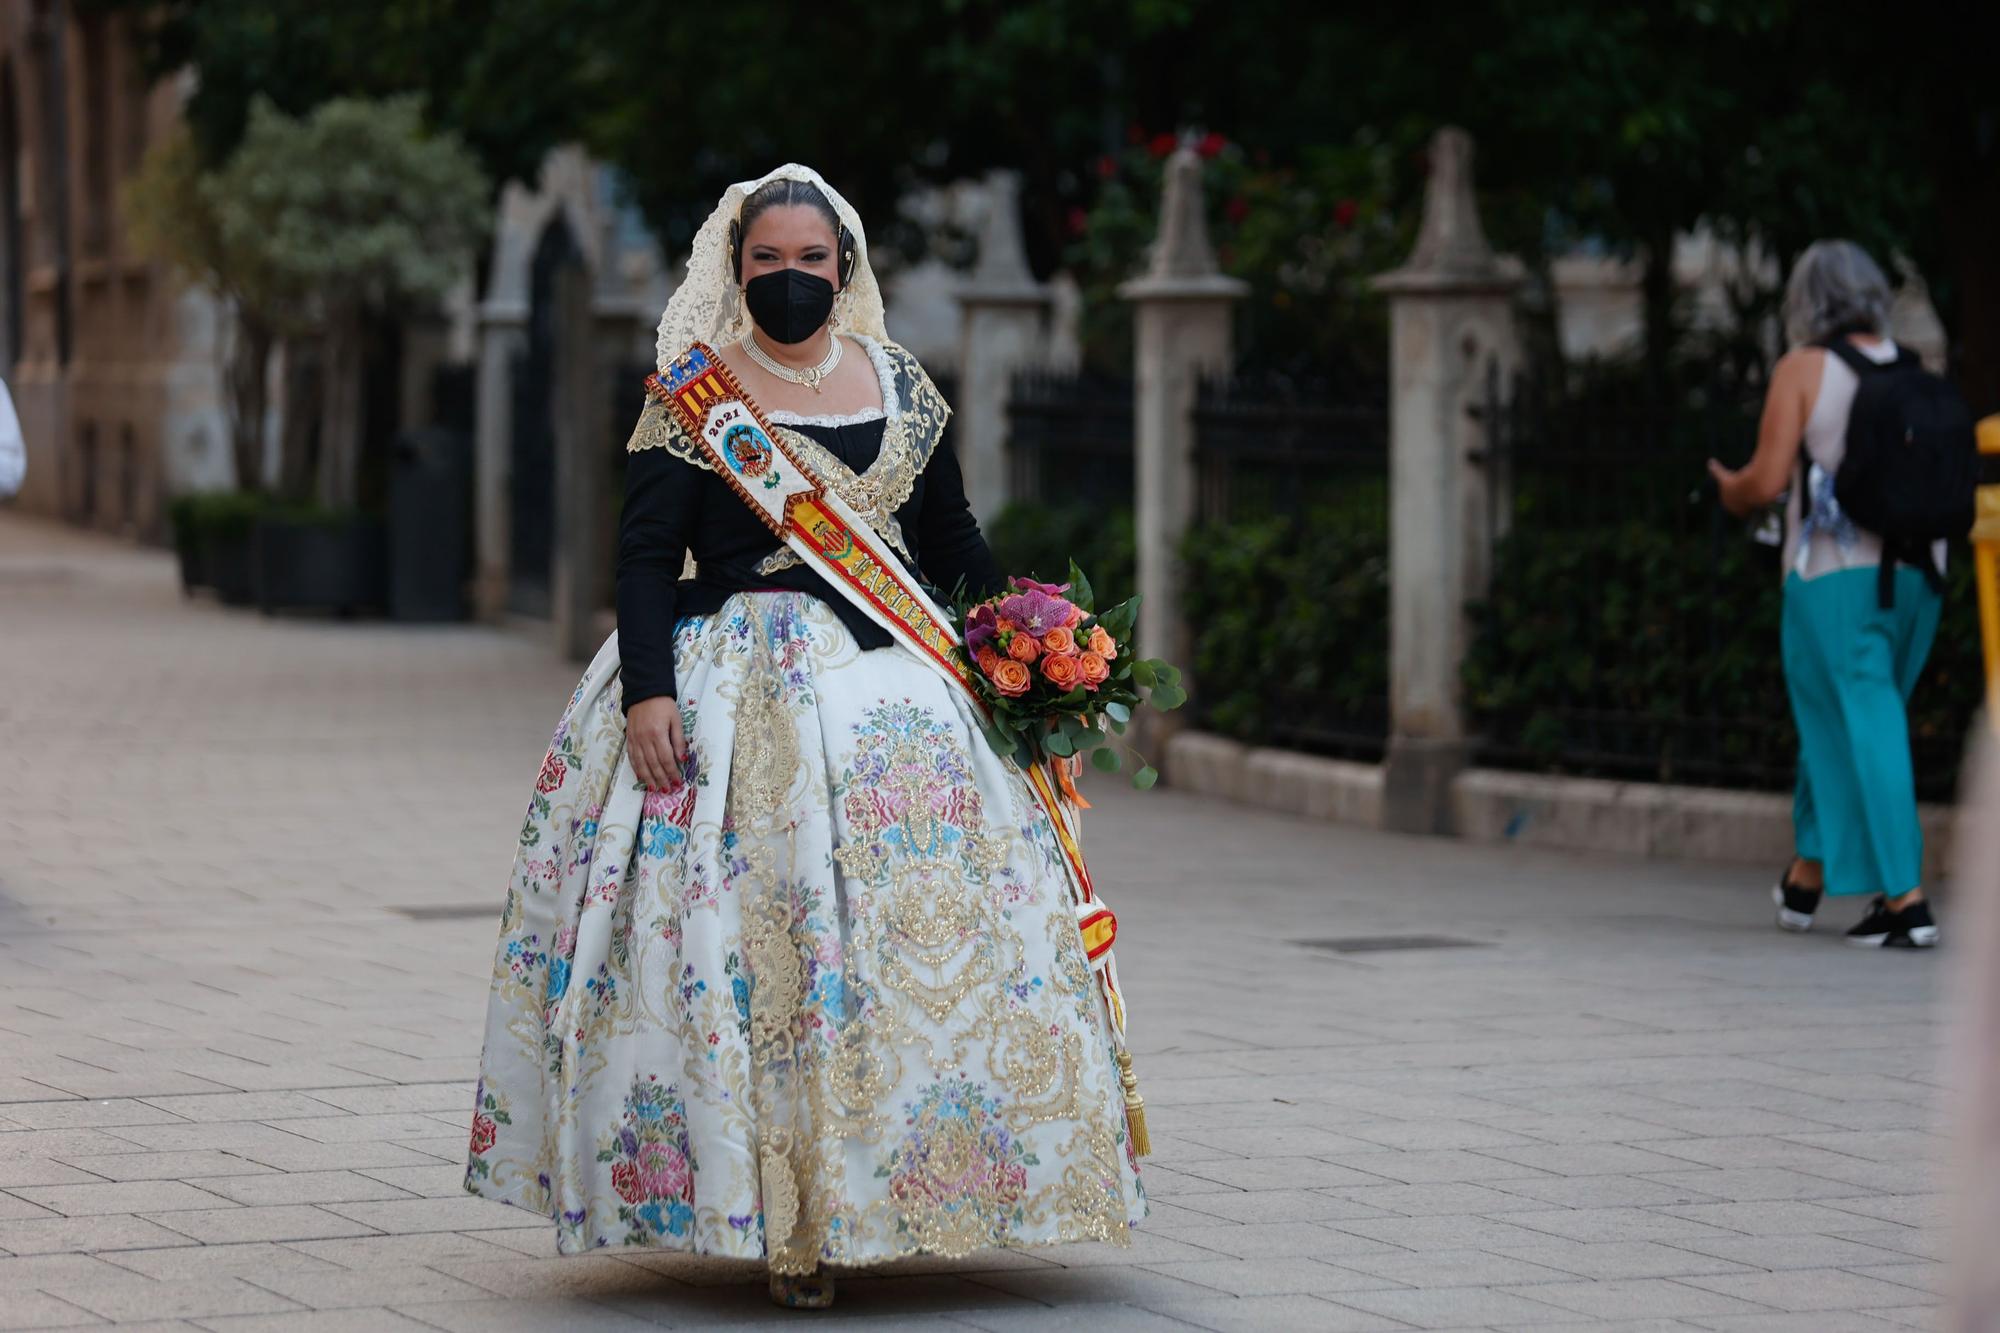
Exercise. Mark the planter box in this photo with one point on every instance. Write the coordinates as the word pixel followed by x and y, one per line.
pixel 320 564
pixel 228 561
pixel 193 554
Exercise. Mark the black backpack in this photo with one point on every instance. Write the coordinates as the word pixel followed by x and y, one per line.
pixel 1912 463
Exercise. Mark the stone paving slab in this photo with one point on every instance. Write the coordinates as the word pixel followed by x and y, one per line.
pixel 233 1067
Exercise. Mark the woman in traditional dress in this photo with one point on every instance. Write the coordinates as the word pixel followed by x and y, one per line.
pixel 790 966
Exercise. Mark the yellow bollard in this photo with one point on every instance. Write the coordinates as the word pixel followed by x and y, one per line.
pixel 1986 561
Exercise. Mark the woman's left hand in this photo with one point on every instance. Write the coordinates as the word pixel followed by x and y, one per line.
pixel 1728 486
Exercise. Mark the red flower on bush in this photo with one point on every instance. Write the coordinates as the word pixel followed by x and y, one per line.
pixel 484 1131
pixel 1079 222
pixel 553 772
pixel 1163 143
pixel 1211 144
pixel 625 1179
pixel 1236 209
pixel 1107 167
pixel 1345 212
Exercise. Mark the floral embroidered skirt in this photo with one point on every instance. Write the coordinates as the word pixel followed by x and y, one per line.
pixel 827 1002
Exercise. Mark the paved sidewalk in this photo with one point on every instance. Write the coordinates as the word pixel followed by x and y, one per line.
pixel 249 873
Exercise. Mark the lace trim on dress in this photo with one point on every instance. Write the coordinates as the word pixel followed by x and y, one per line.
pixel 658 428
pixel 861 418
pixel 916 416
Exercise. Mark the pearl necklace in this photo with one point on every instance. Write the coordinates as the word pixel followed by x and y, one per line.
pixel 811 376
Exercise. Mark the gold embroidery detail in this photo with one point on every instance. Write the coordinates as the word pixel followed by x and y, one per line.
pixel 938 943
pixel 766 760
pixel 657 428
pixel 781 1197
pixel 908 440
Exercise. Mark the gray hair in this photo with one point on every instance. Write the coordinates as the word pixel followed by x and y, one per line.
pixel 1835 288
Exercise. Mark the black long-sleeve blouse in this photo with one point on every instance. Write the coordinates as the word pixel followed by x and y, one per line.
pixel 673 507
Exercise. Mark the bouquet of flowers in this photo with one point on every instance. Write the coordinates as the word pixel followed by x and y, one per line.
pixel 1058 676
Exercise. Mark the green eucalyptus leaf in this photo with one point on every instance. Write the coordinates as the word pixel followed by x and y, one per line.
pixel 1118 621
pixel 1143 674
pixel 1059 745
pixel 1107 760
pixel 1118 712
pixel 1145 778
pixel 1002 740
pixel 1079 587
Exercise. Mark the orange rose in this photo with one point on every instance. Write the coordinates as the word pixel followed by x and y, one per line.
pixel 1093 668
pixel 1075 614
pixel 1061 670
pixel 1011 678
pixel 1059 640
pixel 1024 647
pixel 1102 644
pixel 988 659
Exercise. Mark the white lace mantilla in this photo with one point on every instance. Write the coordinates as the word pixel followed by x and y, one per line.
pixel 708 307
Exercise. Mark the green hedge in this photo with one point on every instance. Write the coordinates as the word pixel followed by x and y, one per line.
pixel 221 513
pixel 1291 623
pixel 1585 621
pixel 1637 621
pixel 1038 541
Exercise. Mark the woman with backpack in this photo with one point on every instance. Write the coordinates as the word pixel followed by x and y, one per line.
pixel 1875 453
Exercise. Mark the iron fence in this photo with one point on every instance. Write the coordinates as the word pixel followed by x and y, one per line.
pixel 1271 444
pixel 1069 439
pixel 1288 564
pixel 1632 628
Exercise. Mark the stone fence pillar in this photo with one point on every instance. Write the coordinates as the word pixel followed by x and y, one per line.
pixel 1181 333
pixel 1451 318
pixel 503 337
pixel 581 474
pixel 1003 327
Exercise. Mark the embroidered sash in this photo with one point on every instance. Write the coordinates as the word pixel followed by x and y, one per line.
pixel 736 440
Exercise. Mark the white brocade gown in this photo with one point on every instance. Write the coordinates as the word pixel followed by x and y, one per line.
pixel 827 1002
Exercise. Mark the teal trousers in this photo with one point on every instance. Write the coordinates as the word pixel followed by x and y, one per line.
pixel 1849 668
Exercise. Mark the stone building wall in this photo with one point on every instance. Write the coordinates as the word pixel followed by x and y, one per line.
pixel 109 358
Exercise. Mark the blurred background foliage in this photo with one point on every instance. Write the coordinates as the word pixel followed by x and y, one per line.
pixel 1773 119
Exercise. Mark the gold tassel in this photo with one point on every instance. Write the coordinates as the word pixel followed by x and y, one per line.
pixel 1135 1107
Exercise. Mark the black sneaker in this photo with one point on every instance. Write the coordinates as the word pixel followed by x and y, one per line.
pixel 1911 928
pixel 1796 906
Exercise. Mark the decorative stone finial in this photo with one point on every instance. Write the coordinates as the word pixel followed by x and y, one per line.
pixel 1451 243
pixel 1182 250
pixel 1003 259
pixel 1451 247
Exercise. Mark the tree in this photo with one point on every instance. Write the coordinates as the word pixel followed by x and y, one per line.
pixel 170 212
pixel 502 74
pixel 1771 120
pixel 356 208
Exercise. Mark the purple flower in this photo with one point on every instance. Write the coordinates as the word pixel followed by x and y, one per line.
pixel 1036 612
pixel 981 627
pixel 1029 585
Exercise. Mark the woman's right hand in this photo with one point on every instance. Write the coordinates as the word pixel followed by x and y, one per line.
pixel 655 742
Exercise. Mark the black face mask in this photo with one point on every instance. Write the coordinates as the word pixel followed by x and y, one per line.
pixel 789 304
